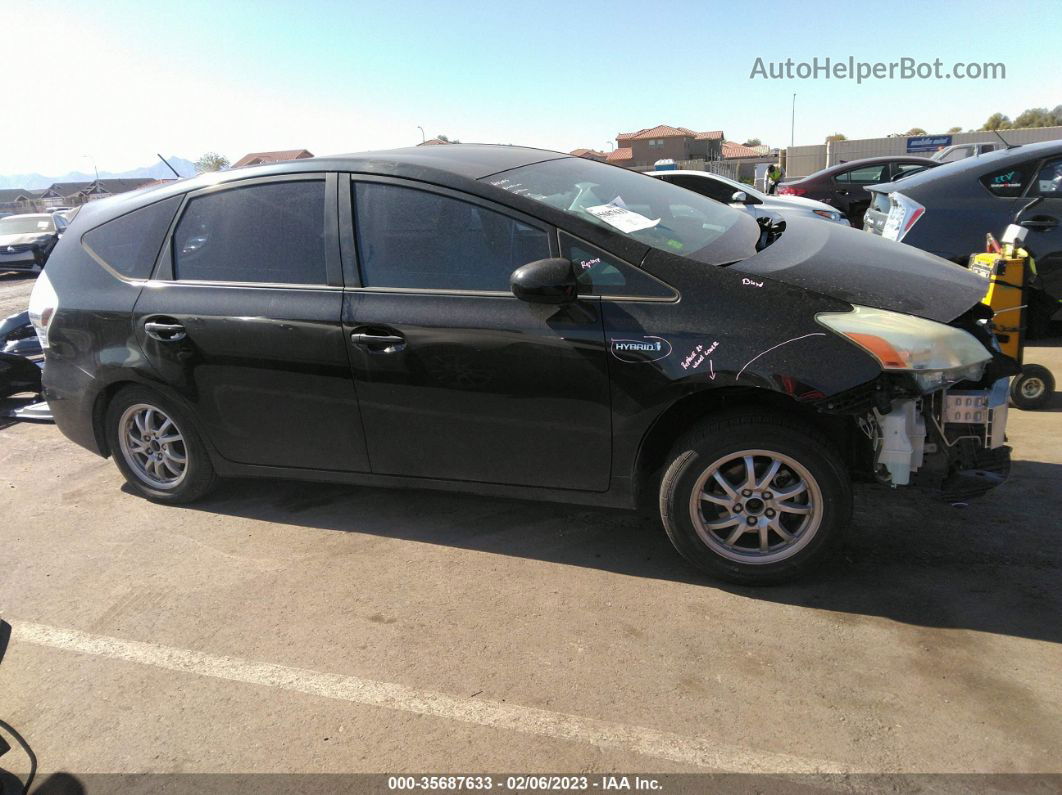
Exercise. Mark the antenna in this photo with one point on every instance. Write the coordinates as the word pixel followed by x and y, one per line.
pixel 171 168
pixel 1004 140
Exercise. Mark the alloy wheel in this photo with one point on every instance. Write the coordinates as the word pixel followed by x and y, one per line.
pixel 153 446
pixel 756 506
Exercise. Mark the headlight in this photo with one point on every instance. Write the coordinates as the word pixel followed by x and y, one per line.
pixel 934 354
pixel 829 215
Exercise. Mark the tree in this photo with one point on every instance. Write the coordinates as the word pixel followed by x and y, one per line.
pixel 211 161
pixel 753 142
pixel 997 121
pixel 1036 117
pixel 953 130
pixel 448 140
pixel 915 131
pixel 836 137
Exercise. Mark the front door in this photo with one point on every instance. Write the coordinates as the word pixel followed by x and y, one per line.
pixel 457 379
pixel 243 319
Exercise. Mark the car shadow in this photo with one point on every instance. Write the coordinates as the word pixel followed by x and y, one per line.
pixel 992 567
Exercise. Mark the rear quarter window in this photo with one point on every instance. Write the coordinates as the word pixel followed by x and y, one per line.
pixel 129 245
pixel 1008 182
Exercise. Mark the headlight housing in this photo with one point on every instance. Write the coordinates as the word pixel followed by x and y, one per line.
pixel 934 354
pixel 829 215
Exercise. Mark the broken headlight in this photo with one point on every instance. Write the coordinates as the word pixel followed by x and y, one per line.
pixel 935 355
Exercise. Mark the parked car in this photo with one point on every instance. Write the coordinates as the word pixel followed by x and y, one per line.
pixel 520 323
pixel 948 211
pixel 949 154
pixel 844 186
pixel 745 197
pixel 27 240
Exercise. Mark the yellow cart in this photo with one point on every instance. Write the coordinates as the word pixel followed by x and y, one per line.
pixel 1008 272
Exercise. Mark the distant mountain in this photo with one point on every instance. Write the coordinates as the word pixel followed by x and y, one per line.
pixel 158 170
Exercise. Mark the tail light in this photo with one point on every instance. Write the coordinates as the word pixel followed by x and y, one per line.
pixel 904 212
pixel 791 190
pixel 43 305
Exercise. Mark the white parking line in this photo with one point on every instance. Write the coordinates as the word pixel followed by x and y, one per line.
pixel 699 752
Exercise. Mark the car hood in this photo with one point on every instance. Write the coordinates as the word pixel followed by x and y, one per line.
pixel 854 266
pixel 21 240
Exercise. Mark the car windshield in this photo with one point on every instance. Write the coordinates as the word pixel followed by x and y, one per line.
pixel 648 210
pixel 26 225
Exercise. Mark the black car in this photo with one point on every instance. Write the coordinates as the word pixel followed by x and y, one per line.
pixel 518 322
pixel 27 240
pixel 844 185
pixel 950 210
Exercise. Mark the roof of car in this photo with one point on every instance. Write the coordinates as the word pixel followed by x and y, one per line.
pixel 1001 158
pixel 872 161
pixel 439 164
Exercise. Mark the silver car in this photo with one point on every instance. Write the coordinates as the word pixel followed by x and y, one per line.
pixel 737 194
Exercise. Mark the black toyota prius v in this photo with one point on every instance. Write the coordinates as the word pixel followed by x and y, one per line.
pixel 518 322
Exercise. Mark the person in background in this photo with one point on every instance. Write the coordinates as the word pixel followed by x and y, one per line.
pixel 774 176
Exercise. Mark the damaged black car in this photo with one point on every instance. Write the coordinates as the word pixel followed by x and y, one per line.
pixel 517 322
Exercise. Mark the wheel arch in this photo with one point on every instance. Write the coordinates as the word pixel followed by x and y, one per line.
pixel 685 412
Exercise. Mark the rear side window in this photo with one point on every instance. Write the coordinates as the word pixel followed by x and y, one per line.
pixel 1008 182
pixel 1049 179
pixel 130 244
pixel 414 239
pixel 266 233
pixel 901 170
pixel 867 174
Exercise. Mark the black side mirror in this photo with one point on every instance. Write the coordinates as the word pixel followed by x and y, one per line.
pixel 545 281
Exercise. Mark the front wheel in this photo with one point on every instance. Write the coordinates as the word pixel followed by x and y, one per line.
pixel 755 499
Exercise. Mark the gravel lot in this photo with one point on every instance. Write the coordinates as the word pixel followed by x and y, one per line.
pixel 320 628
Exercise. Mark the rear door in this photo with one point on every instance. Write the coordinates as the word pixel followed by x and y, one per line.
pixel 243 318
pixel 851 189
pixel 457 378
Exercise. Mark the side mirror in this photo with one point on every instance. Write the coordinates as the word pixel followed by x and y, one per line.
pixel 545 281
pixel 739 197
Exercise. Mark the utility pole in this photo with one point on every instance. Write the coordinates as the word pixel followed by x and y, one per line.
pixel 423 138
pixel 792 122
pixel 93 161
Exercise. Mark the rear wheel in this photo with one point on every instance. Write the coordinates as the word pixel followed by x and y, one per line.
pixel 156 447
pixel 755 498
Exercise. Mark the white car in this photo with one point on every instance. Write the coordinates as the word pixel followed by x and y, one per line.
pixel 737 194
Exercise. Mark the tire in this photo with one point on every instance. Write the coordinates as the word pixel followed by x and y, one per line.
pixel 161 468
pixel 1033 388
pixel 816 528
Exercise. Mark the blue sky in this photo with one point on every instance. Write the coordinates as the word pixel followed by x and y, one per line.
pixel 123 80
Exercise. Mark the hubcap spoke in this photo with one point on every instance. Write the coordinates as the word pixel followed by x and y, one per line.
pixel 727 501
pixel 725 485
pixel 790 507
pixel 778 528
pixel 170 439
pixel 722 523
pixel 763 538
pixel 733 537
pixel 800 488
pixel 750 473
pixel 769 475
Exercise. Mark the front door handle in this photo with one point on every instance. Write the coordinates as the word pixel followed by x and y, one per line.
pixel 382 343
pixel 165 332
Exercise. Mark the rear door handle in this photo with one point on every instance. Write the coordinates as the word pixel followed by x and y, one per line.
pixel 1040 223
pixel 389 342
pixel 165 332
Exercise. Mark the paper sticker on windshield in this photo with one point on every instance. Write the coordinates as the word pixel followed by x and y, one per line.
pixel 643 349
pixel 622 218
